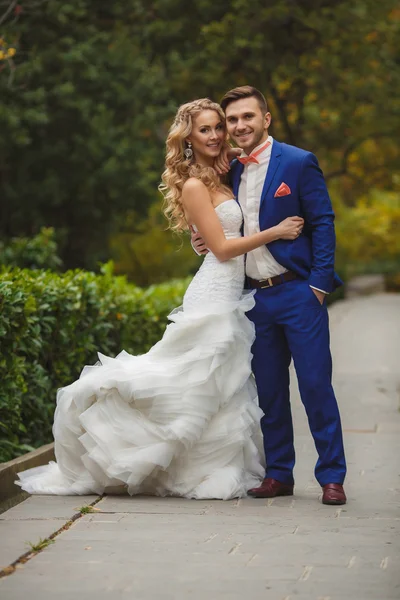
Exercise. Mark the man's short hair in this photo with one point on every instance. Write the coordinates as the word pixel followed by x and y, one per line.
pixel 244 91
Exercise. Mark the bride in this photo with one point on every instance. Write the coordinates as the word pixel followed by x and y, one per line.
pixel 182 419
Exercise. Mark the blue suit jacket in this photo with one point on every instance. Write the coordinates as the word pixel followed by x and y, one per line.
pixel 312 254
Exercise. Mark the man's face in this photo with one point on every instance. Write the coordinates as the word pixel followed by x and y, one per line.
pixel 246 124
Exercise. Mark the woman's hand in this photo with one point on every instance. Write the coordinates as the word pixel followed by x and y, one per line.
pixel 223 160
pixel 290 228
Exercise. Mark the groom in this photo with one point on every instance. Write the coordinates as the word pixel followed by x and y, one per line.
pixel 272 181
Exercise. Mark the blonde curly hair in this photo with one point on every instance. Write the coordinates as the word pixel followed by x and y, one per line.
pixel 178 168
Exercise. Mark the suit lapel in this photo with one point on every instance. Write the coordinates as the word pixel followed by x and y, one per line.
pixel 272 168
pixel 237 170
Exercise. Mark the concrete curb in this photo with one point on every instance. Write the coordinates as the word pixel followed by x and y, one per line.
pixel 11 494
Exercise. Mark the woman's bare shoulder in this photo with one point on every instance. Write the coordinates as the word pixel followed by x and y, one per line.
pixel 195 192
pixel 194 185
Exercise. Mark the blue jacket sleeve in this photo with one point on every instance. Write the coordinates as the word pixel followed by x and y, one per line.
pixel 319 217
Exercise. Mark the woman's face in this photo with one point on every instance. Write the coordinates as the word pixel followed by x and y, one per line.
pixel 207 136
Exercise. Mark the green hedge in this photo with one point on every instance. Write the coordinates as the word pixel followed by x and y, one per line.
pixel 51 325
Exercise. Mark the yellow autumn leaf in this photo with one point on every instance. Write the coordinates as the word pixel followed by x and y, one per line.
pixel 11 52
pixel 372 36
pixel 283 85
pixel 2 55
pixel 394 15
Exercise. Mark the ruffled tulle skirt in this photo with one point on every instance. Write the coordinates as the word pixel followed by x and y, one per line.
pixel 181 420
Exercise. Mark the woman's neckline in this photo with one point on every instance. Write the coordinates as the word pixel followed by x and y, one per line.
pixel 224 202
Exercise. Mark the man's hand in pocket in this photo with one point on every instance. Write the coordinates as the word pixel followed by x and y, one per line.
pixel 320 295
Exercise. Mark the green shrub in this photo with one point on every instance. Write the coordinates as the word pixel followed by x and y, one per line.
pixel 51 325
pixel 367 234
pixel 37 252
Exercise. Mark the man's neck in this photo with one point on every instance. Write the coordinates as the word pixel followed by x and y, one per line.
pixel 264 138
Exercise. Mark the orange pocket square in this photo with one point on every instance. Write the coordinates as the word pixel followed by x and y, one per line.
pixel 283 190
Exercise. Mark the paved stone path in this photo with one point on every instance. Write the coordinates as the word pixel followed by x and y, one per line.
pixel 281 549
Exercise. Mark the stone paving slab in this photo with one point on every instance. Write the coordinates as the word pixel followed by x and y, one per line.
pixel 45 507
pixel 281 549
pixel 14 538
pixel 172 554
pixel 34 519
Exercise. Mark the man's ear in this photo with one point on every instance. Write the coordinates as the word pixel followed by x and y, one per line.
pixel 267 120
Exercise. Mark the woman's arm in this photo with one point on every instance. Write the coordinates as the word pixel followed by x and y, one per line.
pixel 200 211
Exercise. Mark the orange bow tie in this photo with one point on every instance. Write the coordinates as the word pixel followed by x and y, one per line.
pixel 252 158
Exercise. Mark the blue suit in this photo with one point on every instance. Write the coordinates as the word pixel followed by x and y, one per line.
pixel 291 322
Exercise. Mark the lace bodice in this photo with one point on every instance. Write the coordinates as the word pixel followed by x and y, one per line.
pixel 217 281
pixel 231 218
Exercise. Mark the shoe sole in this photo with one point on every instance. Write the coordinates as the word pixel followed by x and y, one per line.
pixel 334 502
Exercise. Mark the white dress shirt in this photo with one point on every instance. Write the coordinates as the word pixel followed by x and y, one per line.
pixel 260 264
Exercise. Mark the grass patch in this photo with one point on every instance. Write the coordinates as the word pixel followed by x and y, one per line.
pixel 87 508
pixel 41 544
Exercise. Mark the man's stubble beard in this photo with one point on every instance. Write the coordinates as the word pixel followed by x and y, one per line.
pixel 253 145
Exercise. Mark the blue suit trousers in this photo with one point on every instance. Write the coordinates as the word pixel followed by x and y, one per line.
pixel 290 322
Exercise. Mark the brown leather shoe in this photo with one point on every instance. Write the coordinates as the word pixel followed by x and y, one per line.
pixel 270 488
pixel 333 493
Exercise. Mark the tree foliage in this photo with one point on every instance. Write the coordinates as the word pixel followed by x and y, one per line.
pixel 78 132
pixel 368 234
pixel 146 251
pixel 87 90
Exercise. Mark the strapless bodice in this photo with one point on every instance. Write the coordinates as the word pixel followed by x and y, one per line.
pixel 216 281
pixel 230 215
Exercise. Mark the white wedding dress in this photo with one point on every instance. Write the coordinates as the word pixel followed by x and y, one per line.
pixel 182 419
